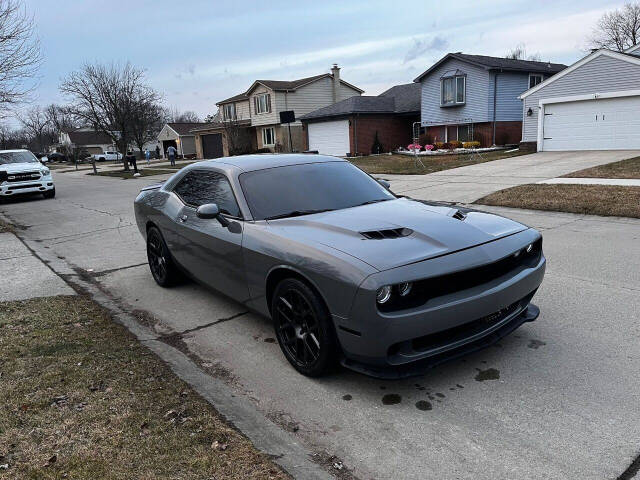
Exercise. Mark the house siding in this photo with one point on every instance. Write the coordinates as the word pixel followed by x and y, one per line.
pixel 263 118
pixel 477 94
pixel 311 97
pixel 508 105
pixel 603 74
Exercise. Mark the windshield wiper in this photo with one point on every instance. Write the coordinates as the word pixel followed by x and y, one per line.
pixel 297 213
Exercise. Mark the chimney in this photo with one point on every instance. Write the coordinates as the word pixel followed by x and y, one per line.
pixel 335 71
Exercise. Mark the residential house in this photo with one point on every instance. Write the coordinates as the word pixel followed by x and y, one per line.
pixel 253 117
pixel 350 127
pixel 592 105
pixel 179 135
pixel 475 97
pixel 83 140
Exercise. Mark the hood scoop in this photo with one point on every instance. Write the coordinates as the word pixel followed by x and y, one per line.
pixel 459 215
pixel 385 234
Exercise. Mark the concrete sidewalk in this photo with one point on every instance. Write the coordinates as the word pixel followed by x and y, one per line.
pixel 625 182
pixel 25 276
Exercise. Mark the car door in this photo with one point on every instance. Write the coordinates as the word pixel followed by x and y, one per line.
pixel 208 251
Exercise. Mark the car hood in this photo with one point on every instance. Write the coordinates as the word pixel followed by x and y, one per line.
pixel 21 167
pixel 432 231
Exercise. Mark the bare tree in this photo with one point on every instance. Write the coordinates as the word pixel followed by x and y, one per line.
pixel 106 98
pixel 146 122
pixel 37 126
pixel 520 53
pixel 237 136
pixel 59 118
pixel 188 116
pixel 617 30
pixel 19 53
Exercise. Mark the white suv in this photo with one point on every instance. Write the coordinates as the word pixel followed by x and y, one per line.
pixel 21 172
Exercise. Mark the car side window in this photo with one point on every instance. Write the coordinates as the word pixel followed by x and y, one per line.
pixel 199 188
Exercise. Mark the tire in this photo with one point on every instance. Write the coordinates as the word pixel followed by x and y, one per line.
pixel 304 328
pixel 164 270
pixel 50 193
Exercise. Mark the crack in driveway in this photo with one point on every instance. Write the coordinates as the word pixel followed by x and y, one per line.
pixel 176 335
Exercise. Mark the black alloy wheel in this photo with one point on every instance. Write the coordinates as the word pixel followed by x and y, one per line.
pixel 303 328
pixel 162 267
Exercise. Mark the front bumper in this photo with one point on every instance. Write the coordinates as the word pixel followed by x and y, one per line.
pixel 390 344
pixel 41 185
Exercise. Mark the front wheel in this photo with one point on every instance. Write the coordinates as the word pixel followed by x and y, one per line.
pixel 50 193
pixel 304 328
pixel 164 271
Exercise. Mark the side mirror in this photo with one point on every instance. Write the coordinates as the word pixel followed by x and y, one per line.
pixel 384 183
pixel 209 211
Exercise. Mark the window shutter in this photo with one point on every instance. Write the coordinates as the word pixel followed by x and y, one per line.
pixel 268 102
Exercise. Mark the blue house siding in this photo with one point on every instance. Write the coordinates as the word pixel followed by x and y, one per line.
pixel 508 105
pixel 475 109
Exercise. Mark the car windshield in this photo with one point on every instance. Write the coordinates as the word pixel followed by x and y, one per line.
pixel 17 157
pixel 310 188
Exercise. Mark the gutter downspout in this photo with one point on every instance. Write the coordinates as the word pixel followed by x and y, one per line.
pixel 355 134
pixel 495 96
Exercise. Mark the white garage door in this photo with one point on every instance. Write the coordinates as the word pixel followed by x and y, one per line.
pixel 606 124
pixel 330 138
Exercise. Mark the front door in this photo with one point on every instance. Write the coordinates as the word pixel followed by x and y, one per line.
pixel 207 250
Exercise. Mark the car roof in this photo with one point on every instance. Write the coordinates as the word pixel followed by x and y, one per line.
pixel 15 150
pixel 248 163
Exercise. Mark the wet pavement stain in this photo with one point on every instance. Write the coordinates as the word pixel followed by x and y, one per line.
pixel 269 340
pixel 488 374
pixel 423 405
pixel 438 394
pixel 459 386
pixel 347 397
pixel 535 344
pixel 391 399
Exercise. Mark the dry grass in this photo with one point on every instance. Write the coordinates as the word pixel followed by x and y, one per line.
pixel 81 398
pixel 404 164
pixel 629 168
pixel 146 172
pixel 606 200
pixel 5 227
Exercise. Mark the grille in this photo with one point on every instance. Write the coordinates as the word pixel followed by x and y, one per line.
pixel 28 185
pixel 390 233
pixel 23 176
pixel 429 288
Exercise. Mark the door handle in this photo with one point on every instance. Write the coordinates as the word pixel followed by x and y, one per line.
pixel 183 218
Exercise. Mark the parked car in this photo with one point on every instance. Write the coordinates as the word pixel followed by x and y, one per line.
pixel 107 156
pixel 57 157
pixel 21 172
pixel 346 269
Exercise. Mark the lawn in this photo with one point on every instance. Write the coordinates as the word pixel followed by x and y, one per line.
pixel 606 200
pixel 82 398
pixel 403 164
pixel 146 172
pixel 629 168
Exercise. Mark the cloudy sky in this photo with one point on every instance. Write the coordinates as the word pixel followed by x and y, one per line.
pixel 197 52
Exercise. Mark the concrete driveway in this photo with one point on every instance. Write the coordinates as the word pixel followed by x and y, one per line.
pixel 556 400
pixel 467 184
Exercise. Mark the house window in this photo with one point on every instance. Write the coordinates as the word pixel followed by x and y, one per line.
pixel 262 103
pixel 229 111
pixel 464 133
pixel 453 90
pixel 534 80
pixel 268 136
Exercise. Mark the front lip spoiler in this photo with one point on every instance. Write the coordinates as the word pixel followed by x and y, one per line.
pixel 420 367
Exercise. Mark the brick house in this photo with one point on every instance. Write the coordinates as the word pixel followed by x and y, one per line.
pixel 349 127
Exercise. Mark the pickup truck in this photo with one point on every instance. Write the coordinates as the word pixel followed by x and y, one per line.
pixel 21 172
pixel 107 156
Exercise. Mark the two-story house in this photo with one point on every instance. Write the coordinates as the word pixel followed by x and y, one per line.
pixel 251 120
pixel 475 97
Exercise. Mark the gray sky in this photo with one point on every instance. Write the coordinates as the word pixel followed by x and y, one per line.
pixel 197 52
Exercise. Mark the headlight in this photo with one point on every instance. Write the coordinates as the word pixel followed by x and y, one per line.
pixel 45 171
pixel 383 294
pixel 404 288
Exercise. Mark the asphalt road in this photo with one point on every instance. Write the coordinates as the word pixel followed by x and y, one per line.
pixel 558 399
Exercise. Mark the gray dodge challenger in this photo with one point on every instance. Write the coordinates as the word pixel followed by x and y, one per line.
pixel 347 271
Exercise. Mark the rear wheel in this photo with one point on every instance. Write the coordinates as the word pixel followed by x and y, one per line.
pixel 303 328
pixel 163 269
pixel 50 193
